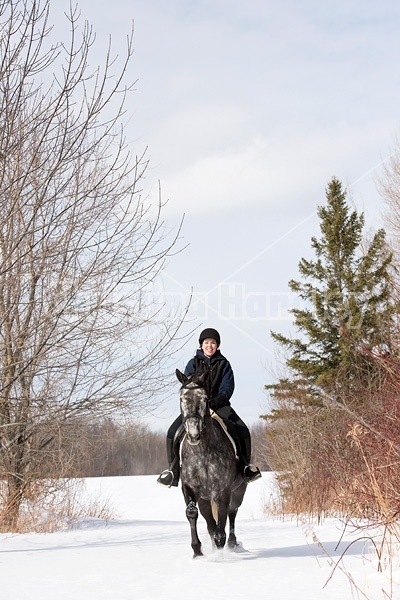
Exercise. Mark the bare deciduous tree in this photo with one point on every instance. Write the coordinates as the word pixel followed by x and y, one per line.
pixel 389 188
pixel 82 333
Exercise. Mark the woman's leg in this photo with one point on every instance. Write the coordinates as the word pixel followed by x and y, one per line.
pixel 170 476
pixel 173 440
pixel 241 433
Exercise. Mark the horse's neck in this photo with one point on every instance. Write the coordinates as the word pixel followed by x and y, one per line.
pixel 211 427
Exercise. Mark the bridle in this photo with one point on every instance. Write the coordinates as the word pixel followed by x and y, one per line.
pixel 195 415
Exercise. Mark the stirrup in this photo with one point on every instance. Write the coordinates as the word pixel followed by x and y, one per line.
pixel 166 478
pixel 251 473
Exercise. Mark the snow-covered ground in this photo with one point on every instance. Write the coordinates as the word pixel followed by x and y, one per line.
pixel 144 553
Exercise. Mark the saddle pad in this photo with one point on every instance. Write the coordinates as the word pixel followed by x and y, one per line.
pixel 225 429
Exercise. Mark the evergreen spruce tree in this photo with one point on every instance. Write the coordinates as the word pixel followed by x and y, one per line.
pixel 344 326
pixel 348 310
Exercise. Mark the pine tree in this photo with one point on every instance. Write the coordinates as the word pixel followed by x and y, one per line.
pixel 348 303
pixel 346 323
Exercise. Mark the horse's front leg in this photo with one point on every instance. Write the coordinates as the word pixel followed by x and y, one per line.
pixel 192 515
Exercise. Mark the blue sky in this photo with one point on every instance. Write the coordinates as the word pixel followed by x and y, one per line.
pixel 248 109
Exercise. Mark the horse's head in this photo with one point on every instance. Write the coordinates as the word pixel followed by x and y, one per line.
pixel 194 405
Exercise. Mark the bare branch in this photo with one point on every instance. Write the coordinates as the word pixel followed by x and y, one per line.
pixel 82 331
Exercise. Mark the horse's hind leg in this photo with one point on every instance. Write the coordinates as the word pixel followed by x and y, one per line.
pixel 220 535
pixel 236 502
pixel 220 511
pixel 192 515
pixel 232 542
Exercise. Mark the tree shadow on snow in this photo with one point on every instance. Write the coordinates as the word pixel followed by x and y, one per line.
pixel 327 549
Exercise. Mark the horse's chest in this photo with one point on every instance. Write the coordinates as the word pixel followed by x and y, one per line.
pixel 207 470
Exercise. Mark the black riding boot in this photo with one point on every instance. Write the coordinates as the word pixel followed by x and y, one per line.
pixel 250 471
pixel 170 477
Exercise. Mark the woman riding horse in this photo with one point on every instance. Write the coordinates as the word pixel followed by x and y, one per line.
pixel 219 384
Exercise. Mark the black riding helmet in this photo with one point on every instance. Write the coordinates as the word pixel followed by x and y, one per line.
pixel 210 333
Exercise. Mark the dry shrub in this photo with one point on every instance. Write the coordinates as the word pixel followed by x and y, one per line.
pixel 343 458
pixel 57 504
pixel 301 452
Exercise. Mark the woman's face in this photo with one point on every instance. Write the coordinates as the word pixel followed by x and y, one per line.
pixel 209 347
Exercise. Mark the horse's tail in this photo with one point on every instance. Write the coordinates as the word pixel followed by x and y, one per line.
pixel 214 510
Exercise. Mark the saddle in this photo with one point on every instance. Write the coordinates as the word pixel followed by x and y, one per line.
pixel 225 430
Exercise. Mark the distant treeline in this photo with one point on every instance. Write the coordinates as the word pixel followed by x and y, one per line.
pixel 113 448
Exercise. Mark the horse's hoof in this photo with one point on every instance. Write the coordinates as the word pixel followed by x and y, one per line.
pixel 238 548
pixel 197 551
pixel 232 543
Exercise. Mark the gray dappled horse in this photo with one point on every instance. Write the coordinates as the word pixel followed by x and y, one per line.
pixel 209 471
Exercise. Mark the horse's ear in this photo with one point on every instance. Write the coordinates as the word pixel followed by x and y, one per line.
pixel 181 377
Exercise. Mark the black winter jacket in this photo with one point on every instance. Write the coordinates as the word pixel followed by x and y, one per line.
pixel 220 382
